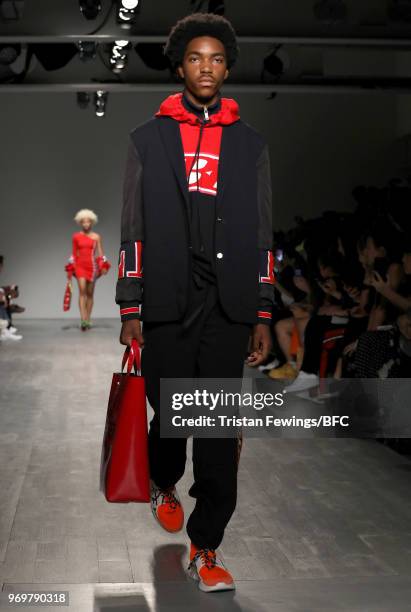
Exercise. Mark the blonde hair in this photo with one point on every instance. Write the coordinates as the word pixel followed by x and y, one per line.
pixel 86 213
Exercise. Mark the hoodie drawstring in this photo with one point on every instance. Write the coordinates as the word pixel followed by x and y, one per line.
pixel 195 161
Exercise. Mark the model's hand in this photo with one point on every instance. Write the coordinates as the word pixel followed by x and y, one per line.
pixel 260 344
pixel 131 330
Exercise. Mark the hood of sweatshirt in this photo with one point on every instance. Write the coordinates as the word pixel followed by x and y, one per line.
pixel 173 106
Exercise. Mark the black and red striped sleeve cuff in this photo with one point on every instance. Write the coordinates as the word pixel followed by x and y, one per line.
pixel 130 310
pixel 264 315
pixel 266 287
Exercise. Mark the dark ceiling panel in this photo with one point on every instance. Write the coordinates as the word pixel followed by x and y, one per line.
pixel 249 17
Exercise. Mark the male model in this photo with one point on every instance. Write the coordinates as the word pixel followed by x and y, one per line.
pixel 197 212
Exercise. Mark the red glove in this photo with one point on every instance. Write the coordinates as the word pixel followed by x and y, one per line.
pixel 103 264
pixel 70 268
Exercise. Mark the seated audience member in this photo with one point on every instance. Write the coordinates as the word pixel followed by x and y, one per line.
pixel 378 346
pixel 292 294
pixel 358 316
pixel 379 259
pixel 401 367
pixel 331 306
pixel 7 331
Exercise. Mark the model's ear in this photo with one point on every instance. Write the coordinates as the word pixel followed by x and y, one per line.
pixel 227 72
pixel 180 72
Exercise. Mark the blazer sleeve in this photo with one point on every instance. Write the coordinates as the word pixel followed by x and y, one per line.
pixel 129 287
pixel 265 239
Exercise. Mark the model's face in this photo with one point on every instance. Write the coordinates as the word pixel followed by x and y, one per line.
pixel 86 224
pixel 204 67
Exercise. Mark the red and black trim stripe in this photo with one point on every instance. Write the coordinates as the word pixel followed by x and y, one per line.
pixel 267 267
pixel 266 284
pixel 264 316
pixel 130 260
pixel 130 310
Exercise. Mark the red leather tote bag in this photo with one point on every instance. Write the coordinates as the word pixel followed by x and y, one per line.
pixel 124 472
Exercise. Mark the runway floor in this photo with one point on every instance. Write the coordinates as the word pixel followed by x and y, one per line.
pixel 321 524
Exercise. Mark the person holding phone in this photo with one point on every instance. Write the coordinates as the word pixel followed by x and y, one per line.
pixel 376 347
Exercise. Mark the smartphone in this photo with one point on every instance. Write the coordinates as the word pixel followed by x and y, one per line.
pixel 381 265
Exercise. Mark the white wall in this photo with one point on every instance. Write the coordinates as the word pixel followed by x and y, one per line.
pixel 56 158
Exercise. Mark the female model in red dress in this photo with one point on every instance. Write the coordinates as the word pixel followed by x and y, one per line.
pixel 87 262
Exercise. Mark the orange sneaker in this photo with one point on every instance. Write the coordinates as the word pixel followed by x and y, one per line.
pixel 211 573
pixel 166 508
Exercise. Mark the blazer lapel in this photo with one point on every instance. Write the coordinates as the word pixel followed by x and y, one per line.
pixel 170 135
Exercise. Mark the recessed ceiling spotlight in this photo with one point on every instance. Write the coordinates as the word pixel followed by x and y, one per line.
pixel 100 102
pixel 87 50
pixel 119 54
pixel 83 99
pixel 90 8
pixel 126 11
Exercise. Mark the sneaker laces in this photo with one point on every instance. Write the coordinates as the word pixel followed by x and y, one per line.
pixel 167 497
pixel 207 556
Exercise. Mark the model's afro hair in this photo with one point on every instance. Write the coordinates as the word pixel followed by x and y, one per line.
pixel 201 24
pixel 85 213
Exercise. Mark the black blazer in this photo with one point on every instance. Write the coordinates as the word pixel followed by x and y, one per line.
pixel 156 212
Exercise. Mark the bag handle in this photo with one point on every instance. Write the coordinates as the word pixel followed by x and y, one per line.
pixel 133 357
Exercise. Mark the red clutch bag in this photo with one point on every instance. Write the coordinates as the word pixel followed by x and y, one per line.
pixel 67 296
pixel 124 472
pixel 70 269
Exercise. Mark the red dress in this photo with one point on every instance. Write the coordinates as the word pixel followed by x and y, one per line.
pixel 84 256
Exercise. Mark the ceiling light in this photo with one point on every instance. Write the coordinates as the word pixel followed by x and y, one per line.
pixel 83 99
pixel 9 54
pixel 126 11
pixel 119 54
pixel 275 64
pixel 87 50
pixel 100 102
pixel 90 8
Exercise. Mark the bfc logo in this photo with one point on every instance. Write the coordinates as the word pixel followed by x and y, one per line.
pixel 203 175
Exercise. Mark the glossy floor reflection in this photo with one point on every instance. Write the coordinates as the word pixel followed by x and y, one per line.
pixel 321 524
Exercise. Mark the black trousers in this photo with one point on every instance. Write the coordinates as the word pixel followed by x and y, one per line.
pixel 209 345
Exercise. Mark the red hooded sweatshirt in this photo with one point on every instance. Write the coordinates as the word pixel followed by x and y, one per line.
pixel 201 130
